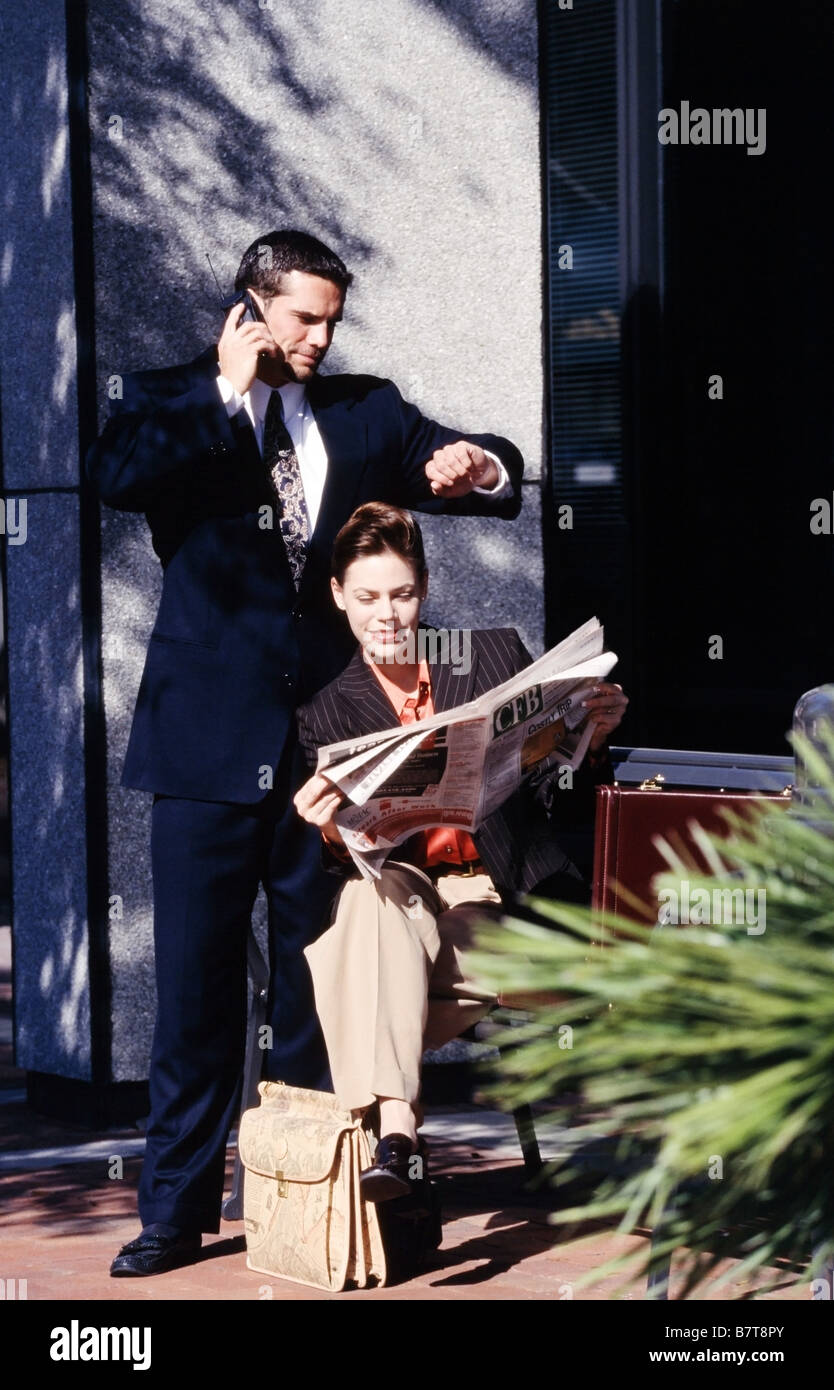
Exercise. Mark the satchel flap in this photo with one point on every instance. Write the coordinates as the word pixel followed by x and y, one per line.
pixel 294 1099
pixel 276 1141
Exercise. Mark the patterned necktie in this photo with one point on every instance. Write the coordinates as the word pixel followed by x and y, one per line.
pixel 282 461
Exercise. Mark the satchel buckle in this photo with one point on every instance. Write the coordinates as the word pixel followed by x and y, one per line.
pixel 283 1185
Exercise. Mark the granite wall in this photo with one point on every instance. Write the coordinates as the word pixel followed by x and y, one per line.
pixel 43 560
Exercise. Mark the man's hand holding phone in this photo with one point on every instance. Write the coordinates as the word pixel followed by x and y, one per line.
pixel 240 346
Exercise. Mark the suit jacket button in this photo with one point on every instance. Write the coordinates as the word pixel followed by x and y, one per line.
pixel 298 611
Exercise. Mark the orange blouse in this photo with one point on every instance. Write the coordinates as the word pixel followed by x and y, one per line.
pixel 439 845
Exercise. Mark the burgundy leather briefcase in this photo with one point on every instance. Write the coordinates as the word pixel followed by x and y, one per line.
pixel 627 819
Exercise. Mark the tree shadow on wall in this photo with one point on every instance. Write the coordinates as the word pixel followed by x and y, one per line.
pixel 507 33
pixel 209 124
pixel 200 127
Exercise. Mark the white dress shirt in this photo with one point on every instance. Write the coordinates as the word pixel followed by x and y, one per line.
pixel 308 443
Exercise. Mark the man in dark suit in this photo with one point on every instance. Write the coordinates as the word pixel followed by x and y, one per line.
pixel 246 463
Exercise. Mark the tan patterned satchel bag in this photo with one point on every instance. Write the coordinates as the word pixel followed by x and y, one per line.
pixel 304 1217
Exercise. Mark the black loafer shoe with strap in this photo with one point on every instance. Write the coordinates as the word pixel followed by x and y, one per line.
pixel 153 1253
pixel 392 1174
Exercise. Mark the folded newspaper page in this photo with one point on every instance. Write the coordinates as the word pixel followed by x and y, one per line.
pixel 459 766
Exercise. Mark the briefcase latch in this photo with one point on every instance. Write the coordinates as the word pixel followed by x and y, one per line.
pixel 652 784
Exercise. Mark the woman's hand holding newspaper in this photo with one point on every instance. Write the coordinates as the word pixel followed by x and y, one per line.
pixel 606 705
pixel 317 802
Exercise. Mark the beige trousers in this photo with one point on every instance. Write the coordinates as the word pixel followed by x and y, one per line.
pixel 390 977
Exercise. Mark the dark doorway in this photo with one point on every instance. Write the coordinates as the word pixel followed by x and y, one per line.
pixel 698 553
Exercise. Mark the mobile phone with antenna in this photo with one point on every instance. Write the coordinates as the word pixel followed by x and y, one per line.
pixel 251 313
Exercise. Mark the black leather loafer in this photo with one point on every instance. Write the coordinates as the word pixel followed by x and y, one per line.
pixel 153 1254
pixel 392 1173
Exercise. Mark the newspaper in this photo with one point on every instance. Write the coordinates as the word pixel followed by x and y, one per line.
pixel 456 768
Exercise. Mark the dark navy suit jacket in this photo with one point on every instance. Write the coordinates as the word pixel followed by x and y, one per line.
pixel 519 843
pixel 235 649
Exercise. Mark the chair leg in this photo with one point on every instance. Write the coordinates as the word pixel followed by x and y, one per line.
pixel 657 1284
pixel 526 1129
pixel 232 1208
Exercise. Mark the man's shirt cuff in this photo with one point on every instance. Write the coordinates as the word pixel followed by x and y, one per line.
pixel 503 488
pixel 230 397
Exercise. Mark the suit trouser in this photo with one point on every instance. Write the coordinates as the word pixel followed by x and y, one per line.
pixel 390 977
pixel 208 860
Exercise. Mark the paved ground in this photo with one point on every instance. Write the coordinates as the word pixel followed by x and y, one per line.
pixel 65 1216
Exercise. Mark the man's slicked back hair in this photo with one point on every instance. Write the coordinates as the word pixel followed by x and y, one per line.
pixel 276 254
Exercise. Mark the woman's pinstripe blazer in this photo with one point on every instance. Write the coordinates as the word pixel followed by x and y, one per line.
pixel 519 842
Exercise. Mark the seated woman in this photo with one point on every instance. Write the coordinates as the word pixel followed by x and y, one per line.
pixel 390 973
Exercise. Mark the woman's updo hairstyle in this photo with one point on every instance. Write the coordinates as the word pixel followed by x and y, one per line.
pixel 376 527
